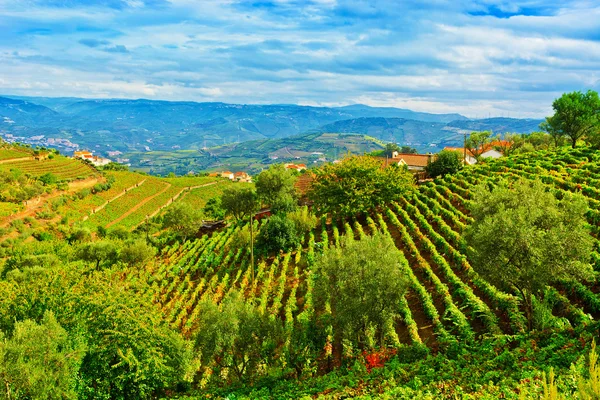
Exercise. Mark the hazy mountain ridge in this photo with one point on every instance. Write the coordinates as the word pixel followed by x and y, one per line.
pixel 110 126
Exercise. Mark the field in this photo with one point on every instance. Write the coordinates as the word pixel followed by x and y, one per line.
pixel 447 300
pixel 11 153
pixel 62 167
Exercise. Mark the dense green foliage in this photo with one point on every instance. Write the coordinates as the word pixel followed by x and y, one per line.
pixel 357 184
pixel 446 162
pixel 275 188
pixel 523 238
pixel 576 116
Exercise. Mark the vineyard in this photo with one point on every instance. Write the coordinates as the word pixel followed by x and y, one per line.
pixel 12 153
pixel 447 300
pixel 147 197
pixel 62 167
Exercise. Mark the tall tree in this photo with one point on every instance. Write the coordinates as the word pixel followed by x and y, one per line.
pixel 363 282
pixel 390 148
pixel 477 141
pixel 241 203
pixel 275 187
pixel 183 219
pixel 576 115
pixel 446 162
pixel 523 238
pixel 356 185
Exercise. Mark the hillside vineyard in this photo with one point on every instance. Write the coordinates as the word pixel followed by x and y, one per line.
pixel 446 299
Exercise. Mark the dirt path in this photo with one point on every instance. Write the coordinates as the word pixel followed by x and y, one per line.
pixel 137 206
pixel 33 206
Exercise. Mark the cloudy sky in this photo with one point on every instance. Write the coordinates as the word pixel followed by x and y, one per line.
pixel 479 57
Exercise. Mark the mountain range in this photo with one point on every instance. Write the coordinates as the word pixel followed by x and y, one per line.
pixel 117 127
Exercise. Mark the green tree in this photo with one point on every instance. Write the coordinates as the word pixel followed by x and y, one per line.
pixel 576 115
pixel 236 336
pixel 278 233
pixel 509 143
pixel 101 252
pixel 131 351
pixel 48 179
pixel 241 203
pixel 275 187
pixel 523 238
pixel 39 361
pixel 183 219
pixel 356 185
pixel 390 148
pixel 136 252
pixel 363 282
pixel 446 162
pixel 477 141
pixel 214 209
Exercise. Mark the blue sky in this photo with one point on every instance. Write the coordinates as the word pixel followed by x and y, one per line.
pixel 479 58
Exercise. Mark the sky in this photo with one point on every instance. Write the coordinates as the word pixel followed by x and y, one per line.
pixel 476 57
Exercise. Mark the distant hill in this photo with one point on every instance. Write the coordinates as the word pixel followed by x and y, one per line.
pixel 427 136
pixel 252 156
pixel 142 125
pixel 138 130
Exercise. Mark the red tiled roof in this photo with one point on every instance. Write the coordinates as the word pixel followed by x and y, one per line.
pixel 412 160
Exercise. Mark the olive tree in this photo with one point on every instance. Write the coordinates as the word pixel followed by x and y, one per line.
pixel 363 282
pixel 523 238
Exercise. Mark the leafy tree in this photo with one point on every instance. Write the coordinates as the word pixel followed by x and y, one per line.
pixel 136 252
pixel 183 219
pixel 446 162
pixel 508 143
pixel 542 140
pixel 39 361
pixel 48 179
pixel 356 185
pixel 214 209
pixel 576 115
pixel 275 187
pixel 523 238
pixel 363 283
pixel 477 141
pixel 100 252
pixel 241 203
pixel 390 148
pixel 278 233
pixel 79 235
pixel 408 150
pixel 236 336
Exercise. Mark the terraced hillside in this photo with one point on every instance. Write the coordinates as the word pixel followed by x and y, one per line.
pixel 62 167
pixel 447 300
